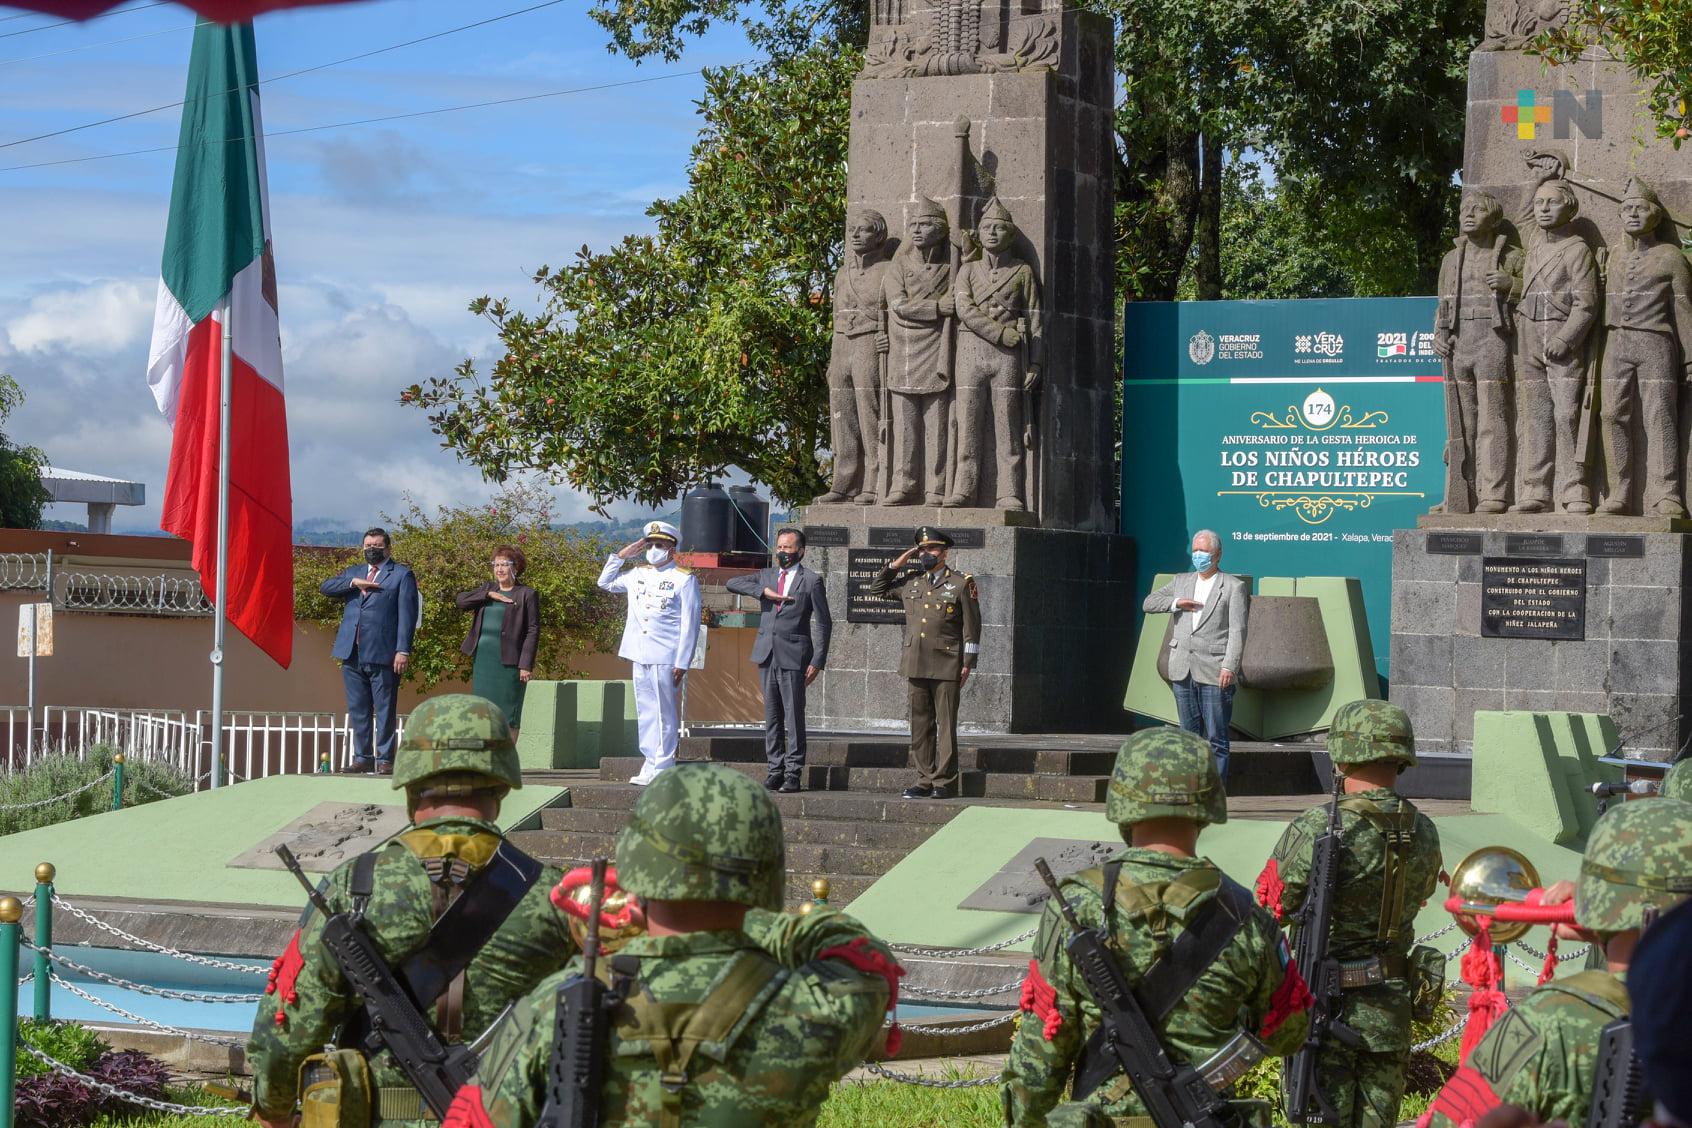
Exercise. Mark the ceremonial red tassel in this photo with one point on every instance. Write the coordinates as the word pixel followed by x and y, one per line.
pixel 284 973
pixel 1270 887
pixel 467 1110
pixel 1483 971
pixel 1550 969
pixel 1291 997
pixel 1039 999
pixel 866 959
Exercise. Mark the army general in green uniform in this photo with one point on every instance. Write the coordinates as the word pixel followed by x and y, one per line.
pixel 734 1013
pixel 1231 986
pixel 1543 1054
pixel 942 643
pixel 1388 866
pixel 456 762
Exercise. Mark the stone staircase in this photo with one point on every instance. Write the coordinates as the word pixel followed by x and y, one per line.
pixel 850 824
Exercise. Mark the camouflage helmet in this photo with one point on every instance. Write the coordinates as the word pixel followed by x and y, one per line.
pixel 458 734
pixel 1639 856
pixel 704 832
pixel 1369 732
pixel 1165 773
pixel 1677 784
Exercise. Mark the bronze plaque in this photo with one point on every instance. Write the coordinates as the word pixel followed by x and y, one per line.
pixel 1453 544
pixel 1616 547
pixel 862 564
pixel 826 536
pixel 1533 598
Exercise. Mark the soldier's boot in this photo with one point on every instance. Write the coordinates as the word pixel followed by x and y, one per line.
pixel 1670 507
pixel 1580 507
pixel 1612 506
pixel 1531 505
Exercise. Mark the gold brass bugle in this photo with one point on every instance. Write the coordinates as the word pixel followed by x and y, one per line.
pixel 1500 883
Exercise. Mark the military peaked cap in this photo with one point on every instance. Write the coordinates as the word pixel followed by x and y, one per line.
pixel 928 534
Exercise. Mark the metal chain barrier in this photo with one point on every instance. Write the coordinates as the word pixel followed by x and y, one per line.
pixel 129 1097
pixel 955 1031
pixel 983 993
pixel 147 1022
pixel 1440 1039
pixel 159 792
pixel 928 1082
pixel 142 988
pixel 57 798
pixel 1577 954
pixel 204 961
pixel 1437 933
pixel 912 949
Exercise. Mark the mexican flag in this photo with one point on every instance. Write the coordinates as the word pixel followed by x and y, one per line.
pixel 216 258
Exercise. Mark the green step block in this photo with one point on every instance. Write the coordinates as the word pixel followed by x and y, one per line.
pixel 572 724
pixel 1538 768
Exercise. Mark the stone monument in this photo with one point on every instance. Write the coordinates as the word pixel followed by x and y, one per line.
pixel 979 305
pixel 1554 574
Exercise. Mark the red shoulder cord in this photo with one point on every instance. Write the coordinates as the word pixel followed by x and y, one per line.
pixel 467 1111
pixel 1269 889
pixel 1464 1100
pixel 866 959
pixel 284 973
pixel 1291 997
pixel 1039 999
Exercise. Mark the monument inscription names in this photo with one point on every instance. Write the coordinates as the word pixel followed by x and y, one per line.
pixel 862 564
pixel 1533 598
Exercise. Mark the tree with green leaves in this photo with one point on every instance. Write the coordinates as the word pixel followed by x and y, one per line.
pixel 451 551
pixel 22 495
pixel 1653 37
pixel 667 359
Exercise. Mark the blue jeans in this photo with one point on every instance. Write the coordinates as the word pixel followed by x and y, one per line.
pixel 1206 710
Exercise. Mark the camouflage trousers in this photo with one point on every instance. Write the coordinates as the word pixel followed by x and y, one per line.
pixel 1365 1088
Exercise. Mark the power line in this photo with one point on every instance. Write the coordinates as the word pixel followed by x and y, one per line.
pixel 63 23
pixel 92 46
pixel 289 74
pixel 268 135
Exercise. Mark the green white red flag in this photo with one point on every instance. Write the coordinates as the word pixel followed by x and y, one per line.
pixel 217 257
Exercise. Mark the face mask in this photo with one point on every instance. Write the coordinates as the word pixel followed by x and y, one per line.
pixel 928 561
pixel 656 555
pixel 1201 561
pixel 374 555
pixel 785 559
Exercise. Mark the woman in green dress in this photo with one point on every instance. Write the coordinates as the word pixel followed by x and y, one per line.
pixel 504 632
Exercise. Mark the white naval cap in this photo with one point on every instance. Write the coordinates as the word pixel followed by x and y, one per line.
pixel 661 530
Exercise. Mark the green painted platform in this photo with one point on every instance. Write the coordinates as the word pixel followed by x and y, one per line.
pixel 178 849
pixel 915 902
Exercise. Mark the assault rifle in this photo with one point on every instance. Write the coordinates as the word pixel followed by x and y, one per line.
pixel 435 1069
pixel 1322 972
pixel 582 1035
pixel 1620 1097
pixel 1175 1096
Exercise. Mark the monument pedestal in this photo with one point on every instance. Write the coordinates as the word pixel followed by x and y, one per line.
pixel 1568 615
pixel 1057 619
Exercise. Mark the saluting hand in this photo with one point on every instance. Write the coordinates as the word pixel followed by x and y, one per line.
pixel 632 549
pixel 775 596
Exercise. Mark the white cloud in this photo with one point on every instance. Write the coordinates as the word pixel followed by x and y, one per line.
pixel 103 317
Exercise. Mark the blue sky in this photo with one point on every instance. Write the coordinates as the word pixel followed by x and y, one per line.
pixel 382 232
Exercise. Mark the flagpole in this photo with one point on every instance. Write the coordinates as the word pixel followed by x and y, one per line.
pixel 221 621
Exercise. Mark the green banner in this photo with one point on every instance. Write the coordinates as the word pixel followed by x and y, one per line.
pixel 1303 432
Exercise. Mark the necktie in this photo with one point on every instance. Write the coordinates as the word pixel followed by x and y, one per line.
pixel 781 586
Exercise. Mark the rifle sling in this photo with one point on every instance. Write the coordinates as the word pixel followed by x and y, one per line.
pixel 1167 981
pixel 489 897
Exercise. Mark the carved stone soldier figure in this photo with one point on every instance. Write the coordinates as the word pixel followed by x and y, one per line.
pixel 1478 280
pixel 854 361
pixel 1559 307
pixel 998 301
pixel 921 320
pixel 1648 313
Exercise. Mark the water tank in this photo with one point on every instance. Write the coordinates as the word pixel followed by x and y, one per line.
pixel 707 520
pixel 752 523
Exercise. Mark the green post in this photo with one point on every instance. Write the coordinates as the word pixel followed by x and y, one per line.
pixel 323 764
pixel 44 874
pixel 11 911
pixel 117 782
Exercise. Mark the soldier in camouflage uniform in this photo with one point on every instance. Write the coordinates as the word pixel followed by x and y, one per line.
pixel 1163 790
pixel 1388 867
pixel 736 1013
pixel 1677 782
pixel 456 763
pixel 1543 1054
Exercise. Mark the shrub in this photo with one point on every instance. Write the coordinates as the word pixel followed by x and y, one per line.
pixel 64 773
pixel 75 1046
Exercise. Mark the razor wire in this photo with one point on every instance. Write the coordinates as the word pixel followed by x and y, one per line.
pixel 189 957
pixel 142 988
pixel 157 594
pixel 129 1096
pixel 163 1028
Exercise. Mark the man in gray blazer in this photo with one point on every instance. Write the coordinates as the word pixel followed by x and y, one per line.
pixel 792 646
pixel 1210 609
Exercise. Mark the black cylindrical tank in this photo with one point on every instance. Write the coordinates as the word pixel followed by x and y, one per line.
pixel 707 520
pixel 751 525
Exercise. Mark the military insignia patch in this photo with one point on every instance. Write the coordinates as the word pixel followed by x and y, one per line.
pixel 1506 1049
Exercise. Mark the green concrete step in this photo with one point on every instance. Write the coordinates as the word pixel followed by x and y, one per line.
pixel 817 777
pixel 822 831
pixel 805 804
pixel 894 752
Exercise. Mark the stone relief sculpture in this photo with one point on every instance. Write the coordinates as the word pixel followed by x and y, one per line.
pixel 921 321
pixel 1648 319
pixel 857 355
pixel 1512 24
pixel 1479 280
pixel 1554 400
pixel 919 38
pixel 998 363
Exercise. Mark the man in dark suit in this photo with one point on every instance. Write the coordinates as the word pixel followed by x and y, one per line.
pixel 792 646
pixel 374 646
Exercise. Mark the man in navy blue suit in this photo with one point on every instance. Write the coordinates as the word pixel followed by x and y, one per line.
pixel 374 646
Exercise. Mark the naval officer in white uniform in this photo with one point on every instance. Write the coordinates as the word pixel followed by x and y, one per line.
pixel 658 638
